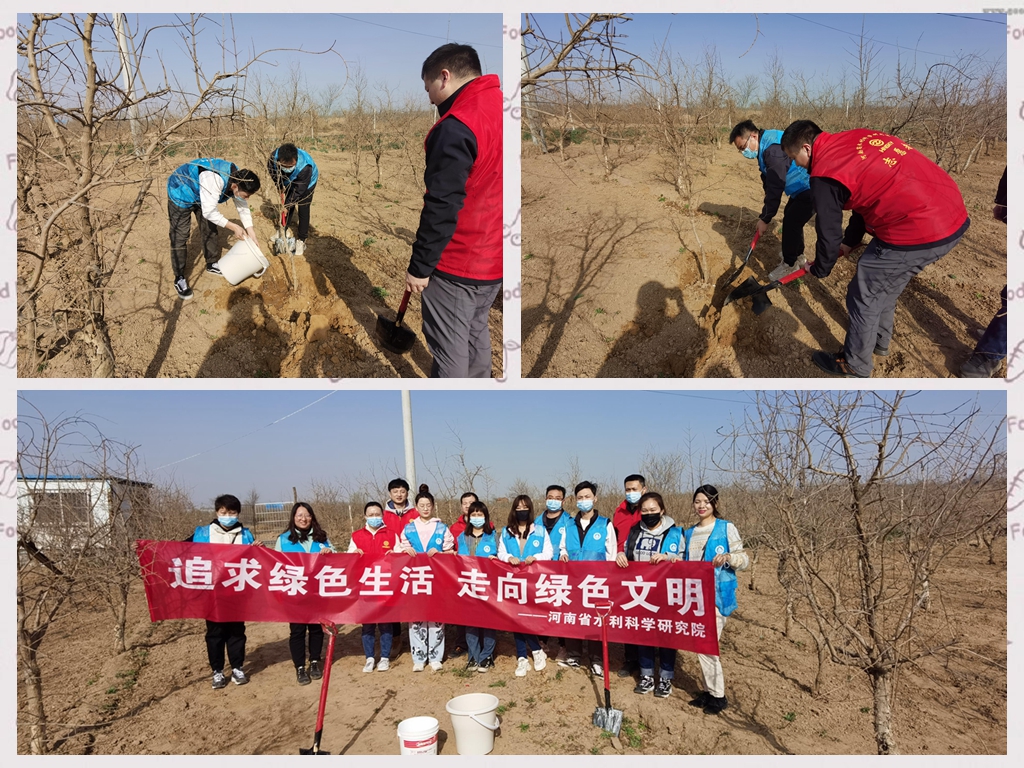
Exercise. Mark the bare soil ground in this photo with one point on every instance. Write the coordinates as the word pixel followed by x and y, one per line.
pixel 322 325
pixel 157 698
pixel 613 283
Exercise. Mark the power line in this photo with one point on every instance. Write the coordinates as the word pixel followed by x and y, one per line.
pixel 972 18
pixel 697 397
pixel 408 32
pixel 248 434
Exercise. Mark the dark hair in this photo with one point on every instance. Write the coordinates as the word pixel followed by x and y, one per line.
pixel 287 153
pixel 315 531
pixel 798 133
pixel 743 129
pixel 246 180
pixel 513 521
pixel 585 484
pixel 551 488
pixel 631 478
pixel 479 506
pixel 372 504
pixel 652 496
pixel 466 495
pixel 228 502
pixel 712 493
pixel 398 483
pixel 461 60
pixel 424 494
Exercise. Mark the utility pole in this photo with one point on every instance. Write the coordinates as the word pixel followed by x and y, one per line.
pixel 128 70
pixel 410 456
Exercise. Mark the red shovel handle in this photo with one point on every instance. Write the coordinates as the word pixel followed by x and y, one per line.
pixel 333 632
pixel 402 307
pixel 602 611
pixel 753 243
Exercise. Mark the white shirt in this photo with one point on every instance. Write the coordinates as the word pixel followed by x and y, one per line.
pixel 547 552
pixel 211 186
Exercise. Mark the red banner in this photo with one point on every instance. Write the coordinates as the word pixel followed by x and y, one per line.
pixel 669 605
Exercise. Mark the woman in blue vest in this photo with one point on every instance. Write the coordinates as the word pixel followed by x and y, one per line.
pixel 522 542
pixel 716 540
pixel 426 535
pixel 295 174
pixel 304 534
pixel 479 540
pixel 778 174
pixel 199 187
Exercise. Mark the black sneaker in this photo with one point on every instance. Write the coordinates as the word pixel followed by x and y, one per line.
pixel 238 677
pixel 715 705
pixel 880 350
pixel 301 676
pixel 181 286
pixel 663 689
pixel 646 685
pixel 214 268
pixel 486 665
pixel 219 681
pixel 315 671
pixel 572 662
pixel 700 700
pixel 835 364
pixel 979 366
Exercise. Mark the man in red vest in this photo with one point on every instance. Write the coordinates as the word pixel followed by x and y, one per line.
pixel 456 259
pixel 910 206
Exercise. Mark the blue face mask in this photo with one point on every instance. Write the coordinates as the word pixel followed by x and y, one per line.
pixel 477 522
pixel 375 522
pixel 750 154
pixel 286 171
pixel 553 505
pixel 633 496
pixel 227 522
pixel 585 505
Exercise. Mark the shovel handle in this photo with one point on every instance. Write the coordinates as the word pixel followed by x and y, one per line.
pixel 284 211
pixel 323 688
pixel 753 243
pixel 603 611
pixel 402 307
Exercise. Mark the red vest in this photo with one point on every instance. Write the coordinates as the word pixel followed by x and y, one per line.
pixel 475 249
pixel 904 197
pixel 392 522
pixel 375 545
pixel 457 527
pixel 622 521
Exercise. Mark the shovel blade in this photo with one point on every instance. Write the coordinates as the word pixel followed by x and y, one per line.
pixel 761 302
pixel 313 752
pixel 748 287
pixel 608 719
pixel 394 337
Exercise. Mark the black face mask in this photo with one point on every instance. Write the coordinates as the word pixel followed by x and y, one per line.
pixel 651 521
pixel 522 515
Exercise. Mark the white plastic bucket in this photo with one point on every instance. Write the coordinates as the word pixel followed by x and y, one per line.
pixel 474 721
pixel 242 261
pixel 418 736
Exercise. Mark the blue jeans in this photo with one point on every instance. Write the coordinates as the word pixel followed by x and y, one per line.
pixel 993 343
pixel 369 637
pixel 522 641
pixel 667 661
pixel 480 643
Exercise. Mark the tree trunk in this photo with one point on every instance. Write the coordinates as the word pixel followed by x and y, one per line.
pixel 34 712
pixel 881 688
pixel 121 618
pixel 753 569
pixel 819 676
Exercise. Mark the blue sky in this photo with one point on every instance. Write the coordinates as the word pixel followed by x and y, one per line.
pixel 819 45
pixel 390 47
pixel 514 434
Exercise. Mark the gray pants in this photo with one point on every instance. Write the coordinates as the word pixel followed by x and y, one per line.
pixel 455 327
pixel 181 226
pixel 882 274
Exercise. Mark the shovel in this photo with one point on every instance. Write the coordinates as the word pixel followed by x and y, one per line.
pixel 759 293
pixel 392 335
pixel 332 630
pixel 753 244
pixel 281 241
pixel 605 717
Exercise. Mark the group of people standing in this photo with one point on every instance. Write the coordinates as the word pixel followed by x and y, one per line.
pixel 639 530
pixel 456 259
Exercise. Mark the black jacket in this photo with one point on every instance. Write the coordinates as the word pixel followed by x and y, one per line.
pixel 776 163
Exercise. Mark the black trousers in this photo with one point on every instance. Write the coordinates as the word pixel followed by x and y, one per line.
pixel 181 228
pixel 303 212
pixel 225 633
pixel 297 643
pixel 799 210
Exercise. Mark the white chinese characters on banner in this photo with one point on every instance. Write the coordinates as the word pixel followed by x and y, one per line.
pixel 375 580
pixel 639 590
pixel 418 580
pixel 243 574
pixel 333 582
pixel 511 589
pixel 553 588
pixel 688 594
pixel 290 579
pixel 198 573
pixel 474 584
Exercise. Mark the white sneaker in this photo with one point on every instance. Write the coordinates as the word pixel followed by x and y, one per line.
pixel 383 665
pixel 436 666
pixel 417 666
pixel 522 667
pixel 540 660
pixel 784 269
pixel 300 247
pixel 596 669
pixel 368 666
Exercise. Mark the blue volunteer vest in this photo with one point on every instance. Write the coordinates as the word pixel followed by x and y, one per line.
pixel 183 183
pixel 488 545
pixel 303 160
pixel 797 179
pixel 725 578
pixel 593 545
pixel 533 547
pixel 287 546
pixel 202 535
pixel 671 541
pixel 436 541
pixel 557 532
